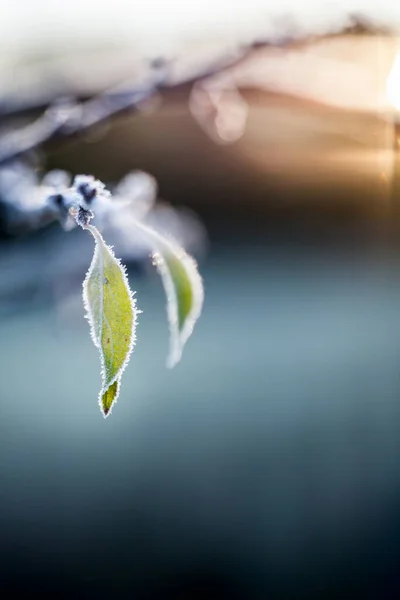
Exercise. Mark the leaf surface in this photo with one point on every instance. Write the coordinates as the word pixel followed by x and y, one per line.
pixel 111 312
pixel 183 287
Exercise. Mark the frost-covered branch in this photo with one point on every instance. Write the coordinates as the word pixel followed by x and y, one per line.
pixel 65 119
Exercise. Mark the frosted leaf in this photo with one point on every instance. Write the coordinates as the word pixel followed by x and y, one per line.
pixel 111 312
pixel 140 190
pixel 183 287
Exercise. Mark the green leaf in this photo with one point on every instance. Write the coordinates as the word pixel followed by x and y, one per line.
pixel 183 287
pixel 109 396
pixel 111 312
pixel 184 290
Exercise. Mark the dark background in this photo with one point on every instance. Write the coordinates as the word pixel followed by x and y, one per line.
pixel 266 464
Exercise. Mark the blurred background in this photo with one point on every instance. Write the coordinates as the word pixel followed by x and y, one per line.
pixel 266 464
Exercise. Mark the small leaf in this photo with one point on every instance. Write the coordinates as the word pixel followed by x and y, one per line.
pixel 183 287
pixel 109 396
pixel 111 312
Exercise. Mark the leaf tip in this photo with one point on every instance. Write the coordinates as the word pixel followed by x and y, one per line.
pixel 108 398
pixel 105 412
pixel 174 358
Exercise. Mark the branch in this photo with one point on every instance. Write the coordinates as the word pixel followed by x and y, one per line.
pixel 63 120
pixel 66 119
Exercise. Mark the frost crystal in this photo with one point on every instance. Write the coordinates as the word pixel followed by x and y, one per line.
pixel 88 188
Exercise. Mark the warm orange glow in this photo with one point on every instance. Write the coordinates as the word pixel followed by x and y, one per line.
pixel 393 84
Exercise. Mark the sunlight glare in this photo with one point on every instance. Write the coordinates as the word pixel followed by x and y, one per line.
pixel 393 84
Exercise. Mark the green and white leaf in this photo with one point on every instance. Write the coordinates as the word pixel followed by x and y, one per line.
pixel 111 312
pixel 183 287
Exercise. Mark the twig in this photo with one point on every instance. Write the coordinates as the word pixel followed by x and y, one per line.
pixel 68 119
pixel 65 119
